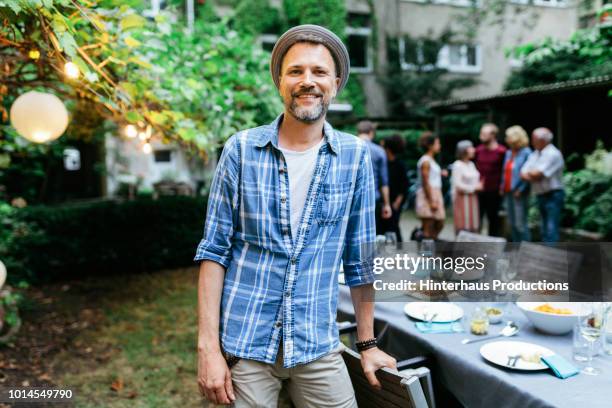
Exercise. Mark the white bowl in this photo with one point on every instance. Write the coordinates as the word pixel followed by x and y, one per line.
pixel 551 323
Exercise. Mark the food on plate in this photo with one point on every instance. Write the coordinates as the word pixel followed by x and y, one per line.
pixel 531 357
pixel 546 308
pixel 493 311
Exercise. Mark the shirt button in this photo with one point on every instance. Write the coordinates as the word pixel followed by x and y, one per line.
pixel 282 169
pixel 287 293
pixel 293 261
pixel 283 198
pixel 279 324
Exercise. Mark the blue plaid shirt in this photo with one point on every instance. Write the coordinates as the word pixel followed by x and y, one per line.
pixel 283 284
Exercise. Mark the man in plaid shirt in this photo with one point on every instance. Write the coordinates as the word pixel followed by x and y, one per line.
pixel 290 202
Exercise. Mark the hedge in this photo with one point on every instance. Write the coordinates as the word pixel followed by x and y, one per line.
pixel 108 237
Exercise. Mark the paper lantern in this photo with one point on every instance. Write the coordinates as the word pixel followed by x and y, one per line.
pixel 39 117
pixel 2 274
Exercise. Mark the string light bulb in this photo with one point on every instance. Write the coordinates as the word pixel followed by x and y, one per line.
pixel 146 148
pixel 71 70
pixel 142 136
pixel 131 131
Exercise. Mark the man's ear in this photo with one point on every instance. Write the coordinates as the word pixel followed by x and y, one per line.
pixel 336 88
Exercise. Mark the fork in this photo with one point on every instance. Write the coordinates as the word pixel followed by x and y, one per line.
pixel 512 360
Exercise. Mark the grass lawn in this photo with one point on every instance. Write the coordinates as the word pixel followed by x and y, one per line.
pixel 141 352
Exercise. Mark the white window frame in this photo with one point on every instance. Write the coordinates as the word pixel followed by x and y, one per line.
pixel 543 3
pixel 456 3
pixel 406 66
pixel 443 60
pixel 364 32
pixel 154 10
pixel 267 38
pixel 550 3
pixel 463 67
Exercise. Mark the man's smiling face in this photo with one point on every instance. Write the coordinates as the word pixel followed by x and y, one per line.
pixel 308 81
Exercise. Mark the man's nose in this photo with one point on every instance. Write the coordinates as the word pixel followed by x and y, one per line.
pixel 307 79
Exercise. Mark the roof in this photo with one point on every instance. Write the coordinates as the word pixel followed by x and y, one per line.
pixel 557 87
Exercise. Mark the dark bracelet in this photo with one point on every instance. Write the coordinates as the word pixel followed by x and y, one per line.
pixel 366 344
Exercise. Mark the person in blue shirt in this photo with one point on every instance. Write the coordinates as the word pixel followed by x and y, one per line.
pixel 366 131
pixel 290 201
pixel 514 189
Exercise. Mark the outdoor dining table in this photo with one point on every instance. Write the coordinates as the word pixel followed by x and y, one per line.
pixel 477 383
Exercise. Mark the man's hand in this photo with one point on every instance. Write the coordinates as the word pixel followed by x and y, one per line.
pixel 374 359
pixel 215 378
pixel 386 211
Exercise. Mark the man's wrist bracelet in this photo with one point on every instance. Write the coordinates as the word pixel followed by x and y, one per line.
pixel 366 344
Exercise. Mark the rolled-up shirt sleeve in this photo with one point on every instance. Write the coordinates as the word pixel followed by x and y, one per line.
pixel 222 208
pixel 358 255
pixel 550 162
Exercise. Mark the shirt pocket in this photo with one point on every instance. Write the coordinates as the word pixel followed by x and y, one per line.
pixel 332 202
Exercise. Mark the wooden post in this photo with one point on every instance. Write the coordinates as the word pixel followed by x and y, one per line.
pixel 559 124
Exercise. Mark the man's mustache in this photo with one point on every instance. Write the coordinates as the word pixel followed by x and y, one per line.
pixel 300 93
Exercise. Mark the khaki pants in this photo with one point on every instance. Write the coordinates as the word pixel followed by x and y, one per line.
pixel 321 383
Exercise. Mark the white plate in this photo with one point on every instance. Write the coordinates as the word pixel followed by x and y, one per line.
pixel 446 312
pixel 497 352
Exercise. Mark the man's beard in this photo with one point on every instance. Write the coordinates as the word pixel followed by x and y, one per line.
pixel 308 114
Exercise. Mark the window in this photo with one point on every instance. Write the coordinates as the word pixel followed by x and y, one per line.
pixel 547 3
pixel 458 3
pixel 550 3
pixel 162 156
pixel 267 41
pixel 358 35
pixel 156 7
pixel 421 53
pixel 463 58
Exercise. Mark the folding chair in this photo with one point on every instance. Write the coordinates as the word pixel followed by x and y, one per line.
pixel 410 387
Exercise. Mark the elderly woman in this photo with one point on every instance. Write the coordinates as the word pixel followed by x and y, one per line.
pixel 465 183
pixel 513 188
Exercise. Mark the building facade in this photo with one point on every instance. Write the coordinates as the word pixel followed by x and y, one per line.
pixel 482 56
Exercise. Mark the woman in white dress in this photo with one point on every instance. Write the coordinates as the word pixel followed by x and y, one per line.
pixel 465 182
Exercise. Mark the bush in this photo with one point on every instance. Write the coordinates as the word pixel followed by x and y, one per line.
pixel 106 237
pixel 588 203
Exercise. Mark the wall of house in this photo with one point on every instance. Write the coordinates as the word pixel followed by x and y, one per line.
pixel 127 163
pixel 429 19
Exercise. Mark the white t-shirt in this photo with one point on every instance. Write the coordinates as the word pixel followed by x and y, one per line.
pixel 300 168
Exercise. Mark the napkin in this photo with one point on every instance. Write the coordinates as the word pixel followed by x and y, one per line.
pixel 451 327
pixel 560 366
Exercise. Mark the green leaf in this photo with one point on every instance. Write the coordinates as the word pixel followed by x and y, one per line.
pixel 68 43
pixel 13 5
pixel 133 116
pixel 159 118
pixel 132 21
pixel 131 42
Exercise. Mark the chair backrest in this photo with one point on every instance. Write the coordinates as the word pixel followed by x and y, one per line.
pixel 398 391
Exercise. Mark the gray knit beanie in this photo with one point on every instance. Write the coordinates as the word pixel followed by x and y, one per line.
pixel 316 34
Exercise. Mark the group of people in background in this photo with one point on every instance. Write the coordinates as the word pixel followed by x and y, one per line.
pixel 483 178
pixel 491 174
pixel 390 178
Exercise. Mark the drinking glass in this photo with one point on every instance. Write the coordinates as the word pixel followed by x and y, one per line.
pixel 591 328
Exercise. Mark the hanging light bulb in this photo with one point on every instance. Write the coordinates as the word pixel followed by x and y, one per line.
pixel 131 131
pixel 146 148
pixel 142 136
pixel 71 70
pixel 149 131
